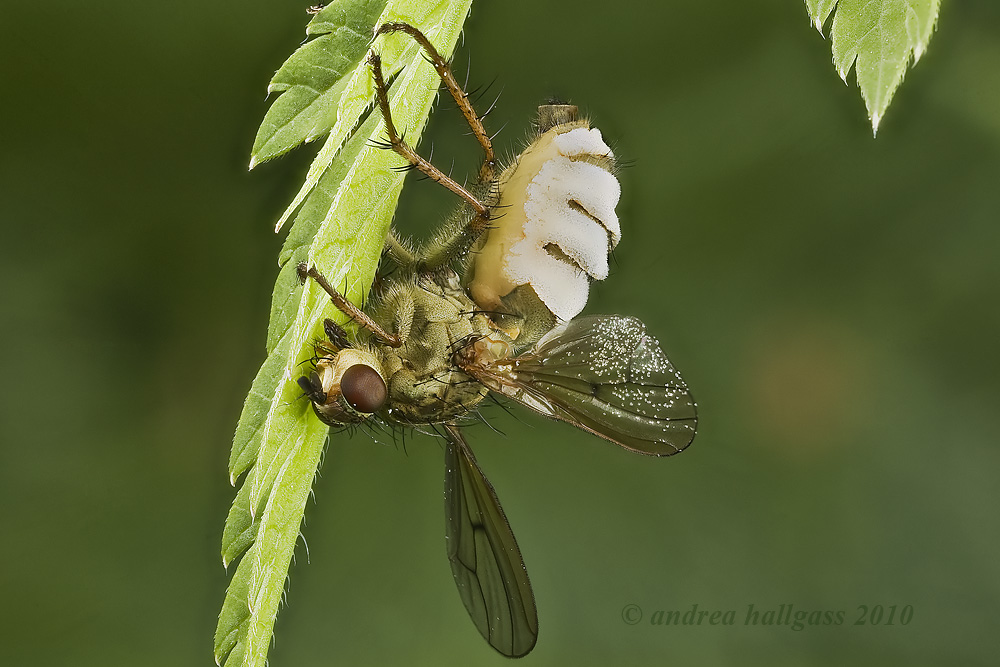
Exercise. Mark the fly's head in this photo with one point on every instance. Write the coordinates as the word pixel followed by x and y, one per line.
pixel 345 387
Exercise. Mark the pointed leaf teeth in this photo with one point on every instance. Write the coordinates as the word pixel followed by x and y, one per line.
pixel 327 237
pixel 880 40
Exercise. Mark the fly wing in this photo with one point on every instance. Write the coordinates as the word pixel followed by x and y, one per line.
pixel 485 560
pixel 606 375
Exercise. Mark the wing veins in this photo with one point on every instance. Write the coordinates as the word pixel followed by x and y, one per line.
pixel 470 494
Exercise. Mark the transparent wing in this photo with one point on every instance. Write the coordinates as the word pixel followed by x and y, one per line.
pixel 604 374
pixel 485 560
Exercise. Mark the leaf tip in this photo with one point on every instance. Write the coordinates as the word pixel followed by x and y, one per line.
pixel 284 216
pixel 818 24
pixel 876 119
pixel 253 162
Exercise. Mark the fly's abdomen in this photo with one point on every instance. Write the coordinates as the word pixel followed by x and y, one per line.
pixel 555 223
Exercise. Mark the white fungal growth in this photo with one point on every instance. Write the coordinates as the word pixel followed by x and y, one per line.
pixel 556 223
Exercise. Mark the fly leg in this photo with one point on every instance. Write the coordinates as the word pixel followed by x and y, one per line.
pixel 397 251
pixel 348 308
pixel 452 243
pixel 443 68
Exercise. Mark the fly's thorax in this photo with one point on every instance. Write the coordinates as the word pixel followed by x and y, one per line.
pixel 450 392
pixel 346 387
pixel 555 223
pixel 424 384
pixel 444 396
pixel 430 313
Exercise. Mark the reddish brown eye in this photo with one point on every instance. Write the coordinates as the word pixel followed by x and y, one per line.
pixel 363 388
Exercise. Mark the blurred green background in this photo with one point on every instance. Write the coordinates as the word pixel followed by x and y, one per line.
pixel 831 299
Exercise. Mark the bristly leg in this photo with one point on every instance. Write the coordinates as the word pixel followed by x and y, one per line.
pixel 399 253
pixel 400 146
pixel 348 308
pixel 455 243
pixel 443 68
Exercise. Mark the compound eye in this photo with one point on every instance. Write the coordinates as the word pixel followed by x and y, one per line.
pixel 363 388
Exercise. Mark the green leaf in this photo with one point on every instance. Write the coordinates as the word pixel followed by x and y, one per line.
pixel 357 92
pixel 877 38
pixel 342 215
pixel 313 78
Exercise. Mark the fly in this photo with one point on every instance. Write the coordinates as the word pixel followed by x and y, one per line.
pixel 435 342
